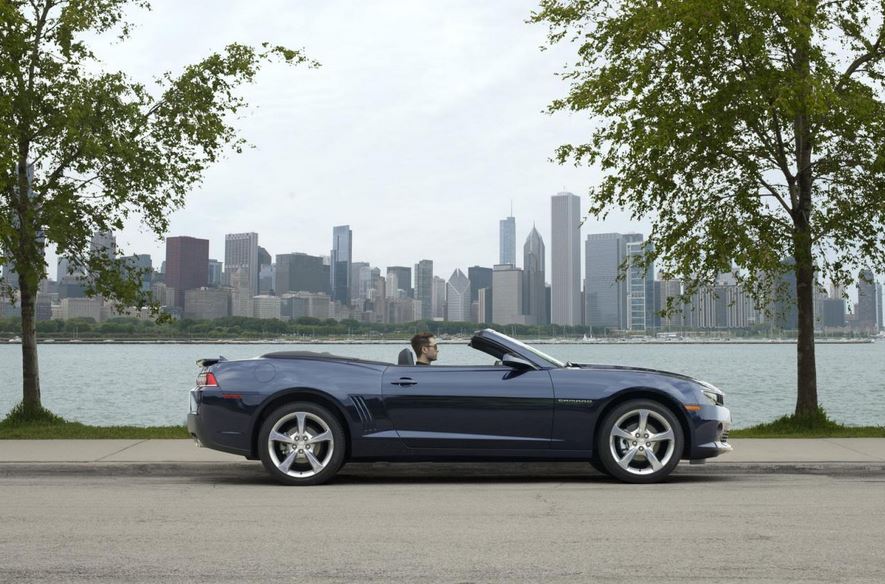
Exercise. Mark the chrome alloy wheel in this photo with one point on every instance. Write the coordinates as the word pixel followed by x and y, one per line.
pixel 642 442
pixel 300 444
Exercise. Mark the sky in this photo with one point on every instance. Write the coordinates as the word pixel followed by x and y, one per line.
pixel 424 124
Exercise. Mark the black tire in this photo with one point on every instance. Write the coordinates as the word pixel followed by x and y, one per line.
pixel 640 459
pixel 598 466
pixel 307 447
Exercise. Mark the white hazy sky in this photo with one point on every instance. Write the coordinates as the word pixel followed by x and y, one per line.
pixel 424 123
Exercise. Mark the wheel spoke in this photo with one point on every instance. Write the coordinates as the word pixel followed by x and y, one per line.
pixel 314 462
pixel 324 437
pixel 653 460
pixel 643 421
pixel 621 433
pixel 284 438
pixel 300 416
pixel 668 435
pixel 287 464
pixel 627 458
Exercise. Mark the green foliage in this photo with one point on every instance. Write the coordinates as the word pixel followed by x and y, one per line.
pixel 751 133
pixel 83 148
pixel 747 131
pixel 19 416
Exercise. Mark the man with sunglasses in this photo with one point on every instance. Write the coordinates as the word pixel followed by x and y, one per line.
pixel 426 348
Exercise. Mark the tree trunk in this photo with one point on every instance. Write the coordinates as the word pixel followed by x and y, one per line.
pixel 806 399
pixel 806 367
pixel 30 373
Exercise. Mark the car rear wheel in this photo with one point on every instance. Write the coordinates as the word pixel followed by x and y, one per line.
pixel 301 444
pixel 640 441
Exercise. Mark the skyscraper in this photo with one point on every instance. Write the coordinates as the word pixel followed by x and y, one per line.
pixel 604 294
pixel 458 297
pixel 481 279
pixel 300 272
pixel 868 301
pixel 439 298
pixel 424 287
pixel 403 279
pixel 214 273
pixel 241 255
pixel 507 287
pixel 639 285
pixel 507 241
pixel 103 243
pixel 610 301
pixel 565 277
pixel 187 265
pixel 342 255
pixel 534 297
pixel 142 263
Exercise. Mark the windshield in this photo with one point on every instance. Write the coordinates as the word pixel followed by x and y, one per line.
pixel 537 353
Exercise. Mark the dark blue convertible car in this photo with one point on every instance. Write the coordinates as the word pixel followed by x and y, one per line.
pixel 304 414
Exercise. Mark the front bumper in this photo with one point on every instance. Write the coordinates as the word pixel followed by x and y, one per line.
pixel 711 427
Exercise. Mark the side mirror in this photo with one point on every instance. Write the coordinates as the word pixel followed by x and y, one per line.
pixel 515 362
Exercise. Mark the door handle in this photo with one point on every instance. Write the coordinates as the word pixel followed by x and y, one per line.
pixel 404 381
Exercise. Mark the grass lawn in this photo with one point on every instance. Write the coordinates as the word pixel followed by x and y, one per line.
pixel 46 425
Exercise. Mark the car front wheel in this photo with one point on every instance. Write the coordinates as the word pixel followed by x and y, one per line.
pixel 301 444
pixel 640 441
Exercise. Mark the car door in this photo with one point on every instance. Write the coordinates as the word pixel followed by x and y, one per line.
pixel 476 407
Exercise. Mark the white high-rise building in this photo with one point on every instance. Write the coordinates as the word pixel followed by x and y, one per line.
pixel 241 254
pixel 565 272
pixel 507 289
pixel 458 297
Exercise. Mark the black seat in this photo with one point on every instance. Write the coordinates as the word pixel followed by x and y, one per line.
pixel 405 357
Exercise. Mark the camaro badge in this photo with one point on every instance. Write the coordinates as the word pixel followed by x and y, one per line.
pixel 575 402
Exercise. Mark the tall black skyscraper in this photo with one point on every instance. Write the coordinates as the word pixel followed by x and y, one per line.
pixel 424 287
pixel 534 295
pixel 342 256
pixel 403 279
pixel 481 278
pixel 300 272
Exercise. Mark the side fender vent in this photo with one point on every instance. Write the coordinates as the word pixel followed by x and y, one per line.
pixel 362 410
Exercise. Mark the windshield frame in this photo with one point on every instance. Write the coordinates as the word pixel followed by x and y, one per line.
pixel 509 344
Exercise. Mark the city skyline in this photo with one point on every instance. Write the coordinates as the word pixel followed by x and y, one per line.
pixel 414 113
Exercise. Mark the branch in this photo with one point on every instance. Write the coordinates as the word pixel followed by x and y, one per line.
pixel 776 195
pixel 873 53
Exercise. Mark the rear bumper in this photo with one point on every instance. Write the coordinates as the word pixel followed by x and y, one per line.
pixel 213 436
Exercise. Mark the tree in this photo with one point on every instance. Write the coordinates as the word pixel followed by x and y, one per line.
pixel 82 148
pixel 749 132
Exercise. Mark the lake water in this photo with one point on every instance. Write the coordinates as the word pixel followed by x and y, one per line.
pixel 144 385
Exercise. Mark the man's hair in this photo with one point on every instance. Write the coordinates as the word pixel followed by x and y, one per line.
pixel 420 341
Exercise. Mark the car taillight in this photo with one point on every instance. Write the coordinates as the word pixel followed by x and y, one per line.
pixel 206 379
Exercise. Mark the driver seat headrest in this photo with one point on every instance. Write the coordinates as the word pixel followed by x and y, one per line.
pixel 406 357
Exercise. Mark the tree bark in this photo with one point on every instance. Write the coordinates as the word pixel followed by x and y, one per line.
pixel 31 402
pixel 806 398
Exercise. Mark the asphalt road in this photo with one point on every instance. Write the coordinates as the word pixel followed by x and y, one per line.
pixel 230 524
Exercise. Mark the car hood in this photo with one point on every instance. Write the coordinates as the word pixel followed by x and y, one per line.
pixel 638 370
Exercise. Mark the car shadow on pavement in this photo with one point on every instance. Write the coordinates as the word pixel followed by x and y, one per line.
pixel 455 473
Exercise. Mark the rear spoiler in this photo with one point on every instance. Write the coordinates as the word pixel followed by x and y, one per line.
pixel 209 362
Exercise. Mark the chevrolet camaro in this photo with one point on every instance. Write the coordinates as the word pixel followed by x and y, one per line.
pixel 304 414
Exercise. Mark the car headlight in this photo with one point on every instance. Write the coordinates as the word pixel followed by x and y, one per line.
pixel 712 397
